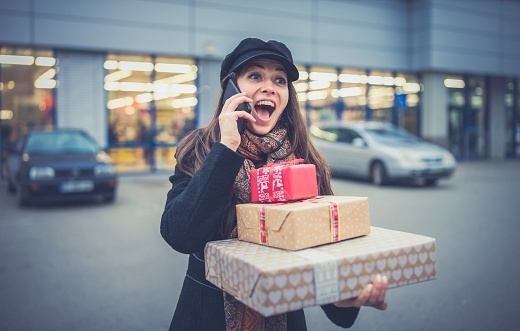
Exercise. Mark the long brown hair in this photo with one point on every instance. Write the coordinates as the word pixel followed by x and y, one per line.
pixel 194 148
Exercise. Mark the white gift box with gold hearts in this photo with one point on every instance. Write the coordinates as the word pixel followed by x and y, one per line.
pixel 274 281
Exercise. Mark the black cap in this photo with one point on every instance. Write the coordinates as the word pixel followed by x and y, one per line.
pixel 254 48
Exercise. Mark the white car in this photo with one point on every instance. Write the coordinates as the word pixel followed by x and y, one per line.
pixel 381 152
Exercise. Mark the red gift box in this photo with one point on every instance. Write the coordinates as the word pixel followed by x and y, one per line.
pixel 283 182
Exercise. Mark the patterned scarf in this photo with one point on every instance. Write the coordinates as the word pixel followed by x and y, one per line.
pixel 258 150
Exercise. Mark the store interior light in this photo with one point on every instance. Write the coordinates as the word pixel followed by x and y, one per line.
pixel 412 87
pixel 375 80
pixel 49 74
pixel 186 102
pixel 110 65
pixel 16 59
pixel 350 78
pixel 351 91
pixel 45 61
pixel 327 76
pixel 120 102
pixel 172 67
pixel 6 114
pixel 144 98
pixel 118 75
pixel 399 81
pixel 412 100
pixel 182 88
pixel 135 66
pixel 387 80
pixel 454 83
pixel 319 84
pixel 317 95
pixel 301 87
pixel 302 97
pixel 45 83
pixel 303 75
pixel 112 86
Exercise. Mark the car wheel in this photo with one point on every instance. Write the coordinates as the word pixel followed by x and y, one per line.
pixel 10 186
pixel 430 182
pixel 21 198
pixel 379 176
pixel 109 198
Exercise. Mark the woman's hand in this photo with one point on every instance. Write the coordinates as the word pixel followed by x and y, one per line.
pixel 373 295
pixel 229 135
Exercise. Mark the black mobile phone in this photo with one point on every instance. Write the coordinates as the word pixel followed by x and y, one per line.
pixel 231 90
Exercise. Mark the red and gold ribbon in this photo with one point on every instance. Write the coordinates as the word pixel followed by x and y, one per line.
pixel 335 233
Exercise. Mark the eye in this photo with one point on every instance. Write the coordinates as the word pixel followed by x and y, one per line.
pixel 254 76
pixel 281 81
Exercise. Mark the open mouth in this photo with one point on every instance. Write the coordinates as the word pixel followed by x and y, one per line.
pixel 264 109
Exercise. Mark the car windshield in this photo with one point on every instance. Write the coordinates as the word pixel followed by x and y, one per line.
pixel 60 142
pixel 391 135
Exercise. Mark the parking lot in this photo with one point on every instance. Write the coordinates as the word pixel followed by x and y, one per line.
pixel 97 266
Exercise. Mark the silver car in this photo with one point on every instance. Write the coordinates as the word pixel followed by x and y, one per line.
pixel 381 152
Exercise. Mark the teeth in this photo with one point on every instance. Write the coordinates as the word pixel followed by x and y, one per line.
pixel 265 103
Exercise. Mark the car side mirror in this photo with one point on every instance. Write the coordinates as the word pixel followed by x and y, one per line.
pixel 358 142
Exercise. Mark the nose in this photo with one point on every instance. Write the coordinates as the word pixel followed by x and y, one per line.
pixel 268 88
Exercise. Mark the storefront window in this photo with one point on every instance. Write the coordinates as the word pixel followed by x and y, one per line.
pixel 407 101
pixel 322 105
pixel 352 94
pixel 175 98
pixel 150 104
pixel 28 80
pixel 381 95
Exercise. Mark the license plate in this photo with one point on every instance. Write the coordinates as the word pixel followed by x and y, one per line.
pixel 77 186
pixel 434 170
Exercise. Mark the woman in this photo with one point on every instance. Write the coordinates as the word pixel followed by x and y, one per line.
pixel 212 177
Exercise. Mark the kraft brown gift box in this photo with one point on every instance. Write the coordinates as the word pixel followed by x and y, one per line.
pixel 274 281
pixel 302 224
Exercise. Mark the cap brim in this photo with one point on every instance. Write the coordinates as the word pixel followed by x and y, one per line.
pixel 292 71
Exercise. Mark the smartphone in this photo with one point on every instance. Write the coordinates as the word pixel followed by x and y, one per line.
pixel 231 90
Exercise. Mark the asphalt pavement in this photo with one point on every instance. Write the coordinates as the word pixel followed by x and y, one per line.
pixel 98 266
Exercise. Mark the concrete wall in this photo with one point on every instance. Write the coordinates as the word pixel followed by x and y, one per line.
pixel 434 119
pixel 363 34
pixel 479 37
pixel 81 99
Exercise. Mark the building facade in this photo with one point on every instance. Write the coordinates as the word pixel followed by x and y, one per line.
pixel 139 74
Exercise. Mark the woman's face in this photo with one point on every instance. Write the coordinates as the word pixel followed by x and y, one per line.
pixel 264 81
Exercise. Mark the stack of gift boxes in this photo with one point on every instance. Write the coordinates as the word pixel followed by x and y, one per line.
pixel 296 249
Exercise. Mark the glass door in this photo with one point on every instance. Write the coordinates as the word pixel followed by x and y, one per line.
pixel 467 117
pixel 476 130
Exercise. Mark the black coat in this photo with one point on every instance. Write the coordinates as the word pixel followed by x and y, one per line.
pixel 193 209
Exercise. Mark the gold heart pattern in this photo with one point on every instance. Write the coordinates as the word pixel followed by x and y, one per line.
pixel 302 224
pixel 274 281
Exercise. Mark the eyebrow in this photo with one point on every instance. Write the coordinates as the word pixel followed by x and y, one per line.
pixel 281 68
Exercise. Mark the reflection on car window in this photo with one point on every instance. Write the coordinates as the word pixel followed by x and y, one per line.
pixel 347 135
pixel 390 134
pixel 60 142
pixel 330 134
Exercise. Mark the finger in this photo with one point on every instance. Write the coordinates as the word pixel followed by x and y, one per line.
pixel 384 287
pixel 245 115
pixel 365 294
pixel 232 103
pixel 374 295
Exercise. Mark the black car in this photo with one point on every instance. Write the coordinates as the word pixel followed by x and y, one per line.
pixel 59 164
